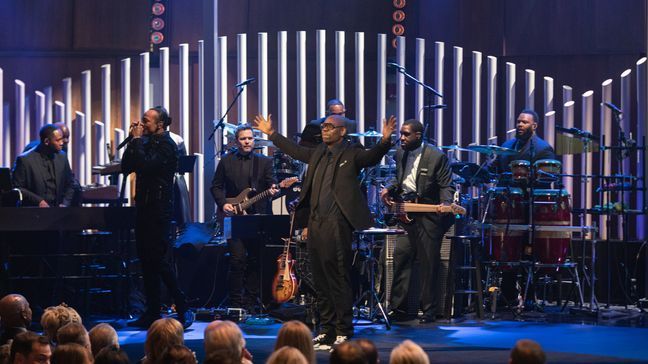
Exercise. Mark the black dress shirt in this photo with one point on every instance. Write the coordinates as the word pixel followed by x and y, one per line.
pixel 235 172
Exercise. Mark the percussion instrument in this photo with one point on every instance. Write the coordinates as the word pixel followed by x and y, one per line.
pixel 520 170
pixel 507 207
pixel 284 166
pixel 551 208
pixel 547 170
pixel 492 150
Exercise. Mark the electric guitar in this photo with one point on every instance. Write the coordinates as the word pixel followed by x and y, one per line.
pixel 242 202
pixel 284 284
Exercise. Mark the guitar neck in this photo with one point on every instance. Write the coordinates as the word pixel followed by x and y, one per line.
pixel 255 199
pixel 418 207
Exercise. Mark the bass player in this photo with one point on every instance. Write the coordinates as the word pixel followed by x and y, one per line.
pixel 423 176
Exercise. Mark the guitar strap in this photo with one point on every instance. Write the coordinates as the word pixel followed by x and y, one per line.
pixel 422 175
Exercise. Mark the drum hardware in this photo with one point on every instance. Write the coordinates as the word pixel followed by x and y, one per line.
pixel 260 142
pixel 375 306
pixel 367 134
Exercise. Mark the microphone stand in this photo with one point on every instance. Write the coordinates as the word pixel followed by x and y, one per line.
pixel 430 91
pixel 221 121
pixel 530 244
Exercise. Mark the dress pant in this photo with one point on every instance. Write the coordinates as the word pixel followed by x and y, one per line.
pixel 329 247
pixel 422 244
pixel 244 272
pixel 152 234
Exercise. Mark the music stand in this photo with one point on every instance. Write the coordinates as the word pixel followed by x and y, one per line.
pixel 374 301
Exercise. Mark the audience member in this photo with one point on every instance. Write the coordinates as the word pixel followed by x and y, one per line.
pixel 528 352
pixel 408 352
pixel 369 349
pixel 349 352
pixel 224 341
pixel 296 335
pixel 74 333
pixel 111 355
pixel 71 354
pixel 178 354
pixel 55 317
pixel 287 355
pixel 162 335
pixel 29 347
pixel 101 336
pixel 16 316
pixel 5 352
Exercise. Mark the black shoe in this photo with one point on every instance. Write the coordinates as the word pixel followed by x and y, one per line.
pixel 144 321
pixel 427 319
pixel 398 316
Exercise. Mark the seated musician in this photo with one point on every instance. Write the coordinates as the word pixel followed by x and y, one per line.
pixel 43 174
pixel 527 143
pixel 311 136
pixel 423 174
pixel 235 172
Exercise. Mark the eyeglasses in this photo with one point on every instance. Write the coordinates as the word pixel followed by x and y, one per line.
pixel 329 126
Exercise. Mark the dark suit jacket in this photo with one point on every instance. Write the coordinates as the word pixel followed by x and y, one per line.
pixel 346 187
pixel 29 175
pixel 542 150
pixel 433 183
pixel 227 182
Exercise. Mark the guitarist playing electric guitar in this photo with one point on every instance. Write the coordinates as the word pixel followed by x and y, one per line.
pixel 236 172
pixel 423 177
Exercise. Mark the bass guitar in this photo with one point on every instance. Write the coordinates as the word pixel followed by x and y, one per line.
pixel 399 210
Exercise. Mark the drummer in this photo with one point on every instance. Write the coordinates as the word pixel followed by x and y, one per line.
pixel 527 143
pixel 311 136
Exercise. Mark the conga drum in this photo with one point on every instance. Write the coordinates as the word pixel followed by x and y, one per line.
pixel 547 170
pixel 506 208
pixel 520 170
pixel 551 208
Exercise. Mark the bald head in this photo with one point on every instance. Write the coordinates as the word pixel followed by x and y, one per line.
pixel 15 311
pixel 66 134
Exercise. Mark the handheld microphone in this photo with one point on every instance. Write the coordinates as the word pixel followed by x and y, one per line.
pixel 395 65
pixel 615 109
pixel 124 142
pixel 246 82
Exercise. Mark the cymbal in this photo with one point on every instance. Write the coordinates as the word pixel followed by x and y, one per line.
pixel 229 129
pixel 367 134
pixel 570 145
pixel 492 149
pixel 470 172
pixel 455 147
pixel 260 142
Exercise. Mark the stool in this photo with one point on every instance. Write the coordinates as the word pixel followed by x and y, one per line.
pixel 464 250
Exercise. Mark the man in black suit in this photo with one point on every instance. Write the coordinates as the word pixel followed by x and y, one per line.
pixel 235 172
pixel 153 156
pixel 333 206
pixel 423 175
pixel 527 143
pixel 43 174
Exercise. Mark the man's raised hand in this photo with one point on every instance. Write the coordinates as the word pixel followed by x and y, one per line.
pixel 389 126
pixel 263 124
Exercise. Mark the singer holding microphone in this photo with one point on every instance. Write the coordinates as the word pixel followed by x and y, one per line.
pixel 153 156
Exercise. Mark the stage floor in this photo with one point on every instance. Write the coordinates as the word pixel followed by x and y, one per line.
pixel 620 336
